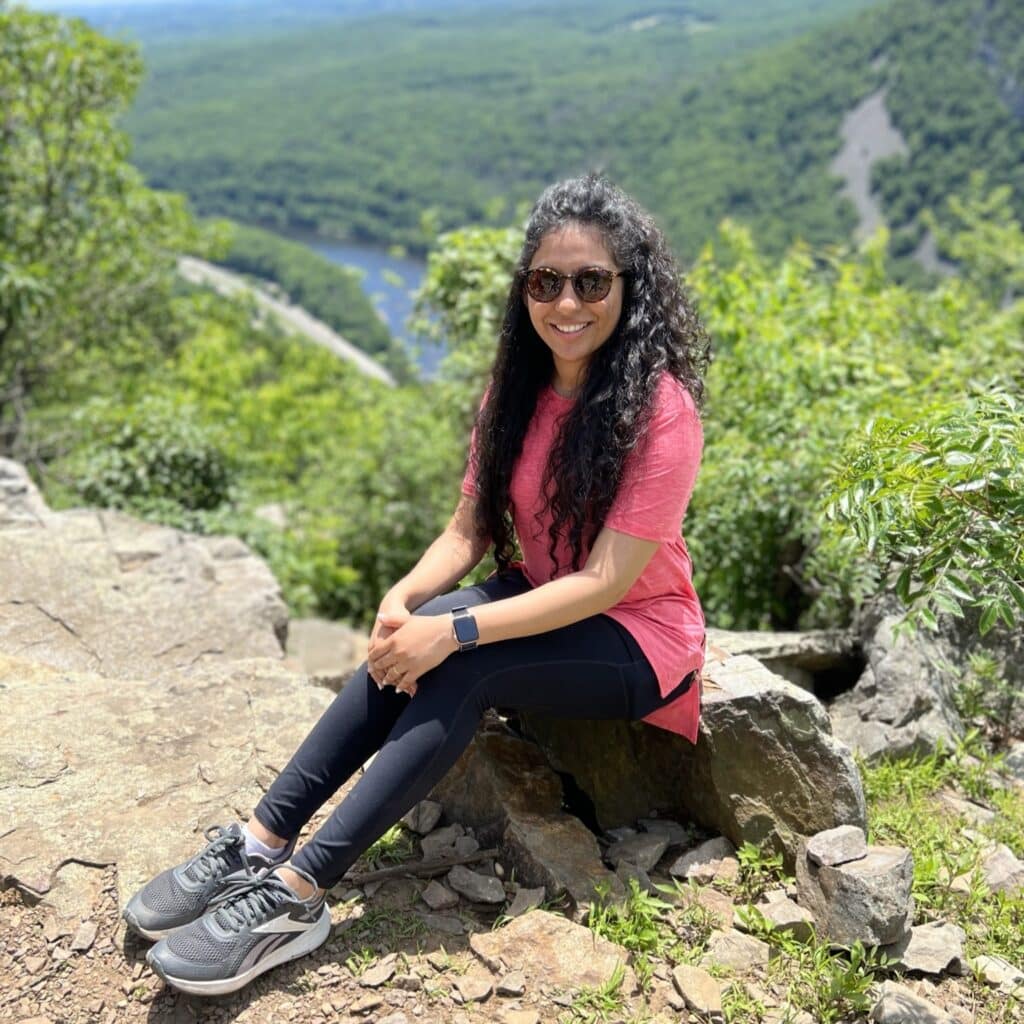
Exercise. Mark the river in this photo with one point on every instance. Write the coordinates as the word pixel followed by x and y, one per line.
pixel 389 281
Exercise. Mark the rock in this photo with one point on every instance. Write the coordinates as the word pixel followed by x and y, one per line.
pixel 437 897
pixel 866 900
pixel 837 845
pixel 512 984
pixel 34 964
pixel 702 862
pixel 520 1017
pixel 84 937
pixel 478 888
pixel 441 842
pixel 474 987
pixel 675 833
pixel 443 923
pixel 97 591
pixel 504 788
pixel 64 730
pixel 736 950
pixel 326 651
pixel 700 992
pixel 1000 973
pixel 787 916
pixel 395 1018
pixel 551 950
pixel 407 982
pixel 366 1005
pixel 796 657
pixel 21 504
pixel 1014 760
pixel 715 903
pixel 524 900
pixel 930 948
pixel 763 757
pixel 378 973
pixel 897 1004
pixel 1003 871
pixel 643 850
pixel 465 846
pixel 423 818
pixel 974 813
pixel 903 701
pixel 627 873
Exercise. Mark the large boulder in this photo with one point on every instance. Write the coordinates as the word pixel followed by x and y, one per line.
pixel 903 701
pixel 94 773
pixel 763 759
pixel 99 591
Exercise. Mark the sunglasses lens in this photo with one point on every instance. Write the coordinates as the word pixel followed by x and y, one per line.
pixel 543 284
pixel 593 285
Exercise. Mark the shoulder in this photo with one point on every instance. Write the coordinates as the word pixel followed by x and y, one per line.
pixel 672 401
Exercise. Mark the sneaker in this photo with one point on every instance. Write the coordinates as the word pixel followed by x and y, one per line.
pixel 178 896
pixel 261 923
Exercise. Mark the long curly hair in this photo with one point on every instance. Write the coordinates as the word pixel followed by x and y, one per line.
pixel 657 330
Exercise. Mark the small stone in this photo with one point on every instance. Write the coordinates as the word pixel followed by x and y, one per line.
pixel 1003 871
pixel 643 850
pixel 994 970
pixel 700 862
pixel 512 984
pixel 395 1018
pixel 476 887
pixel 441 842
pixel 898 1004
pixel 478 944
pixel 837 845
pixel 520 1017
pixel 474 986
pixel 375 976
pixel 407 982
pixel 52 931
pixel 34 964
pixel 627 873
pixel 438 897
pixel 466 846
pixel 60 953
pixel 930 948
pixel 499 871
pixel 366 1005
pixel 714 902
pixel 85 936
pixel 736 950
pixel 699 990
pixel 787 916
pixel 618 834
pixel 675 833
pixel 423 818
pixel 371 889
pixel 524 900
pixel 443 923
pixel 439 959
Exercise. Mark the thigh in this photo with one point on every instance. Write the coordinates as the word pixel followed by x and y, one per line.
pixel 583 670
pixel 496 587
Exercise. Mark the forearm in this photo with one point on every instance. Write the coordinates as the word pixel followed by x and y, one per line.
pixel 549 606
pixel 448 559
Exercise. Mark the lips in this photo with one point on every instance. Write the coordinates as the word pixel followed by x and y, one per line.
pixel 569 330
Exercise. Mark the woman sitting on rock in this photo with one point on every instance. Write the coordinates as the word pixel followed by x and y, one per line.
pixel 587 443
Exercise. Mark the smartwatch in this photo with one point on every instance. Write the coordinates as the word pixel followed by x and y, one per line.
pixel 466 633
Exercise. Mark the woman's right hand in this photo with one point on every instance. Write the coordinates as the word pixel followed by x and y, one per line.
pixel 391 614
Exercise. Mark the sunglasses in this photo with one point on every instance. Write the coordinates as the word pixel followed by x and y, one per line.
pixel 591 284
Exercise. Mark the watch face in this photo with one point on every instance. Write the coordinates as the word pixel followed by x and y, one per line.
pixel 465 629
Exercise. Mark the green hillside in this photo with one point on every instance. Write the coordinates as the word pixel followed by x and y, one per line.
pixel 354 128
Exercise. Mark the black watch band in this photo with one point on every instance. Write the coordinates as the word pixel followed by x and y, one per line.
pixel 464 625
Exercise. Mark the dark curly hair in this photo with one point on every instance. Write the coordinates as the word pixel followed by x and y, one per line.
pixel 657 330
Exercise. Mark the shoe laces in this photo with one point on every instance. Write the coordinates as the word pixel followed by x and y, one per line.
pixel 246 900
pixel 222 848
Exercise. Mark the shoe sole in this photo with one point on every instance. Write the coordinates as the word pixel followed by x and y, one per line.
pixel 313 939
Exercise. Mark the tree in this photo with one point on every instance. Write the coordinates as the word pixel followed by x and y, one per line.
pixel 88 254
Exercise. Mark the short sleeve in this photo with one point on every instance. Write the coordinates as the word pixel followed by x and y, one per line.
pixel 661 471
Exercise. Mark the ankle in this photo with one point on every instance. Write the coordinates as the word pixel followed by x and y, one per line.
pixel 264 835
pixel 296 882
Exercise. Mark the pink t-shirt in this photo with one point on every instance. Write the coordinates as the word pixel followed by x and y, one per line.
pixel 661 609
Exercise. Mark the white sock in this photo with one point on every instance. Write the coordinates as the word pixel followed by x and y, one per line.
pixel 254 845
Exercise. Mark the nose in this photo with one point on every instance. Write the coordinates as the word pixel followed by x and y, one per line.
pixel 567 298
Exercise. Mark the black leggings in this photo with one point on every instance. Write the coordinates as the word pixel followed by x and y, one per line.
pixel 590 669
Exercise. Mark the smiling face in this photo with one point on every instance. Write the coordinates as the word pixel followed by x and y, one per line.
pixel 573 329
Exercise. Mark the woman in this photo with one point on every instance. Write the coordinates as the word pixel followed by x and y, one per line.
pixel 589 435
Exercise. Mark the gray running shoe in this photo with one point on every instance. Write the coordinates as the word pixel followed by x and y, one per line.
pixel 180 895
pixel 259 924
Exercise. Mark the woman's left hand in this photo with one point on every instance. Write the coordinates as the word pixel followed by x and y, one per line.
pixel 418 645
